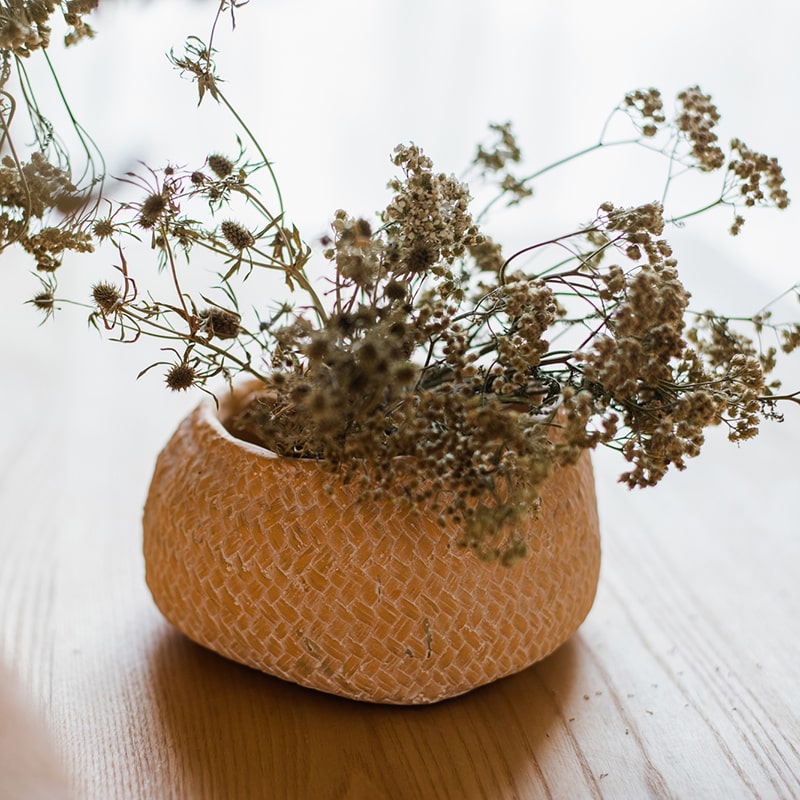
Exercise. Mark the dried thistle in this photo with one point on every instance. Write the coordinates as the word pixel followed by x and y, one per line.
pixel 180 377
pixel 237 236
pixel 221 166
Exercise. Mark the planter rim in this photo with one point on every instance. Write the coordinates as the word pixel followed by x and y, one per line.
pixel 231 402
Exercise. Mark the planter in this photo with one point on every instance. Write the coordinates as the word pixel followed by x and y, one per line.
pixel 249 555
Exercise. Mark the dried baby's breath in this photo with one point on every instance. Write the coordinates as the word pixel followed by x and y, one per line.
pixel 650 107
pixel 697 122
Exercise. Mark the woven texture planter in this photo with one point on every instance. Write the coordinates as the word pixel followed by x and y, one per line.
pixel 249 555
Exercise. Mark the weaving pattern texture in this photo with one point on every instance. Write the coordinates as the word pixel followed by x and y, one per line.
pixel 251 556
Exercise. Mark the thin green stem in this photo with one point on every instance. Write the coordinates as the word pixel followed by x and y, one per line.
pixel 793 397
pixel 174 272
pixel 555 164
pixel 537 246
pixel 696 212
pixel 26 210
pixel 145 318
pixel 258 147
pixel 84 138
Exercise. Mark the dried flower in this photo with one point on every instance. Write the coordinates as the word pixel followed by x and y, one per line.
pixel 221 166
pixel 755 172
pixel 237 236
pixel 45 299
pixel 153 207
pixel 180 377
pixel 103 228
pixel 220 323
pixel 426 364
pixel 697 120
pixel 650 107
pixel 106 296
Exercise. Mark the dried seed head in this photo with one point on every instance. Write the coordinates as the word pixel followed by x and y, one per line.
pixel 45 302
pixel 634 252
pixel 221 166
pixel 180 377
pixel 103 228
pixel 396 290
pixel 237 235
pixel 405 373
pixel 220 322
pixel 318 347
pixel 152 208
pixel 420 258
pixel 106 296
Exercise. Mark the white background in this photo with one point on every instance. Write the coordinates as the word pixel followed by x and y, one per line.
pixel 330 88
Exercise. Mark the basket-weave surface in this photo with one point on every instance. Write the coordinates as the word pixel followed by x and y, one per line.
pixel 249 555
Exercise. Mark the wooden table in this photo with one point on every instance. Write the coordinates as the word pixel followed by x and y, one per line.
pixel 683 682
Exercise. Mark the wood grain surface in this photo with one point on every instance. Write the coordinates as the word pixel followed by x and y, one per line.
pixel 682 683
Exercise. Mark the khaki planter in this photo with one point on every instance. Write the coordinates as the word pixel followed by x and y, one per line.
pixel 249 555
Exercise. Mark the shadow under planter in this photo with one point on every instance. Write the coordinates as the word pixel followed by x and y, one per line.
pixel 235 732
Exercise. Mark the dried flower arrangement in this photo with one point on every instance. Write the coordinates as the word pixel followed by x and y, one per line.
pixel 425 358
